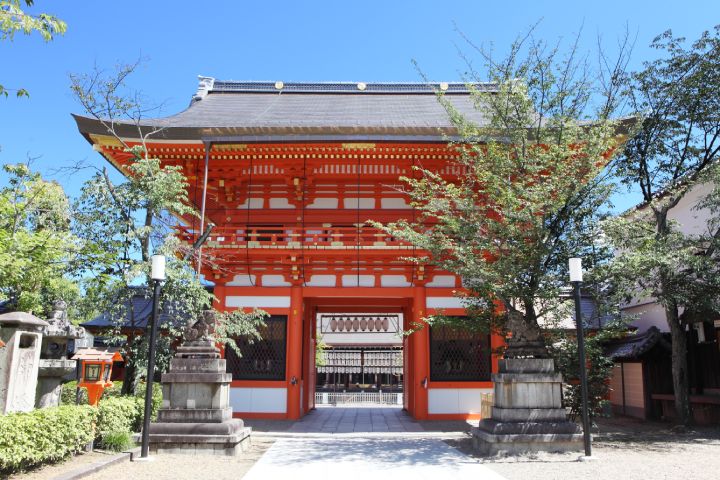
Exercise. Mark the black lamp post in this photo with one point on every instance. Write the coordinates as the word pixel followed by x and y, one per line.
pixel 157 275
pixel 576 279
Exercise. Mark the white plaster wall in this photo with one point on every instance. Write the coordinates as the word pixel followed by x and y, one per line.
pixel 274 281
pixel 648 315
pixel 692 221
pixel 280 203
pixel 324 203
pixel 352 281
pixel 447 281
pixel 322 281
pixel 255 301
pixel 394 281
pixel 444 302
pixel 242 281
pixel 366 203
pixel 455 400
pixel 254 203
pixel 395 203
pixel 258 400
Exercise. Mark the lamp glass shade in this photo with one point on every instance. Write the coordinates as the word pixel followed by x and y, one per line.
pixel 576 274
pixel 158 267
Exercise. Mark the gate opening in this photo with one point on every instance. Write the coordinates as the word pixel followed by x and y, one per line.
pixel 359 359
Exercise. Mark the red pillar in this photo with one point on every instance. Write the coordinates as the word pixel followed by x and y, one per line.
pixel 294 353
pixel 421 350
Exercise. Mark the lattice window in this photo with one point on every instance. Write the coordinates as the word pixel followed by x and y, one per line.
pixel 261 359
pixel 458 355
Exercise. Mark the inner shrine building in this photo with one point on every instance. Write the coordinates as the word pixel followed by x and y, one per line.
pixel 288 174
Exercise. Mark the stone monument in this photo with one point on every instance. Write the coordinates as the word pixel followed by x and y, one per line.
pixel 528 414
pixel 19 360
pixel 54 363
pixel 196 416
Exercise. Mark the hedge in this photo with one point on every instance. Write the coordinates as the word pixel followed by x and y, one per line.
pixel 44 436
pixel 50 434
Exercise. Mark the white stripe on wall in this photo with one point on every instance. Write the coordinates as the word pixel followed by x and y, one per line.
pixel 253 301
pixel 455 400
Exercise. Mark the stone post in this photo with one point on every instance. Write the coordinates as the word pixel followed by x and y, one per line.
pixel 19 360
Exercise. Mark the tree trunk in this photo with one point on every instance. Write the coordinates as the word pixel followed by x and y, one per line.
pixel 679 366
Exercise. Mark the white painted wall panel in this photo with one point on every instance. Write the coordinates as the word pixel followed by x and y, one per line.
pixel 259 400
pixel 324 203
pixel 455 400
pixel 365 203
pixel 447 281
pixel 322 281
pixel 274 281
pixel 395 203
pixel 266 301
pixel 394 281
pixel 352 280
pixel 444 302
pixel 242 281
pixel 280 202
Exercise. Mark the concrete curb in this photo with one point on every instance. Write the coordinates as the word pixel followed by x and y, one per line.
pixel 89 469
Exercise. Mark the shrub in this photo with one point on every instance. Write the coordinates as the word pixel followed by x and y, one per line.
pixel 125 413
pixel 44 436
pixel 68 392
pixel 119 414
pixel 116 441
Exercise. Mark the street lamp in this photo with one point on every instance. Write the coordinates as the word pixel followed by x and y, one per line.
pixel 157 275
pixel 576 277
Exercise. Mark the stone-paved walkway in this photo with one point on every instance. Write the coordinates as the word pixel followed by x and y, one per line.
pixel 356 420
pixel 357 458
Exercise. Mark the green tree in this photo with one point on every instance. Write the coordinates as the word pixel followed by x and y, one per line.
pixel 13 19
pixel 37 247
pixel 676 150
pixel 531 179
pixel 123 223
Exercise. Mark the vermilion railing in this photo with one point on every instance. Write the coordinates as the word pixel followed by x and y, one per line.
pixel 297 237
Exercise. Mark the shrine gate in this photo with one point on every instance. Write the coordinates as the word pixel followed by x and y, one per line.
pixel 288 174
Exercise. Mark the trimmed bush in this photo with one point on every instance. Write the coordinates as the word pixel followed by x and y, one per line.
pixel 119 414
pixel 44 436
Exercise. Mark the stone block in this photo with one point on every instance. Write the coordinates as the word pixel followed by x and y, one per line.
pixel 526 365
pixel 528 414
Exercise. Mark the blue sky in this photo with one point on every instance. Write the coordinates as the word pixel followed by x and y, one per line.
pixel 283 40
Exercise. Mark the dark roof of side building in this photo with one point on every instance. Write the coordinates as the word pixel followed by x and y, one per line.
pixel 635 346
pixel 298 111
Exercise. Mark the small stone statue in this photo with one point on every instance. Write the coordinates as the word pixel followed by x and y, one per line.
pixel 58 316
pixel 526 339
pixel 202 328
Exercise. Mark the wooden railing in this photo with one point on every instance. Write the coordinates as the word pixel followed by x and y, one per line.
pixel 358 398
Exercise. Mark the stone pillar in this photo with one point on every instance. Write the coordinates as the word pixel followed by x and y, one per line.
pixel 420 360
pixel 19 360
pixel 527 414
pixel 294 353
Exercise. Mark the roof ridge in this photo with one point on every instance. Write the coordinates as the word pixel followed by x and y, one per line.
pixel 211 85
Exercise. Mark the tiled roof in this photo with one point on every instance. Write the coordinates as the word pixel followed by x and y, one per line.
pixel 634 347
pixel 259 110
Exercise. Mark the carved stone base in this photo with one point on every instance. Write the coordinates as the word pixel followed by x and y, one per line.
pixel 528 415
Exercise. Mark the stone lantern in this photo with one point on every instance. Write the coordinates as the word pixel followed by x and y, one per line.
pixel 54 362
pixel 21 333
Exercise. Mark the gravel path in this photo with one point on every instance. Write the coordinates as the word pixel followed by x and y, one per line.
pixel 54 470
pixel 188 467
pixel 626 449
